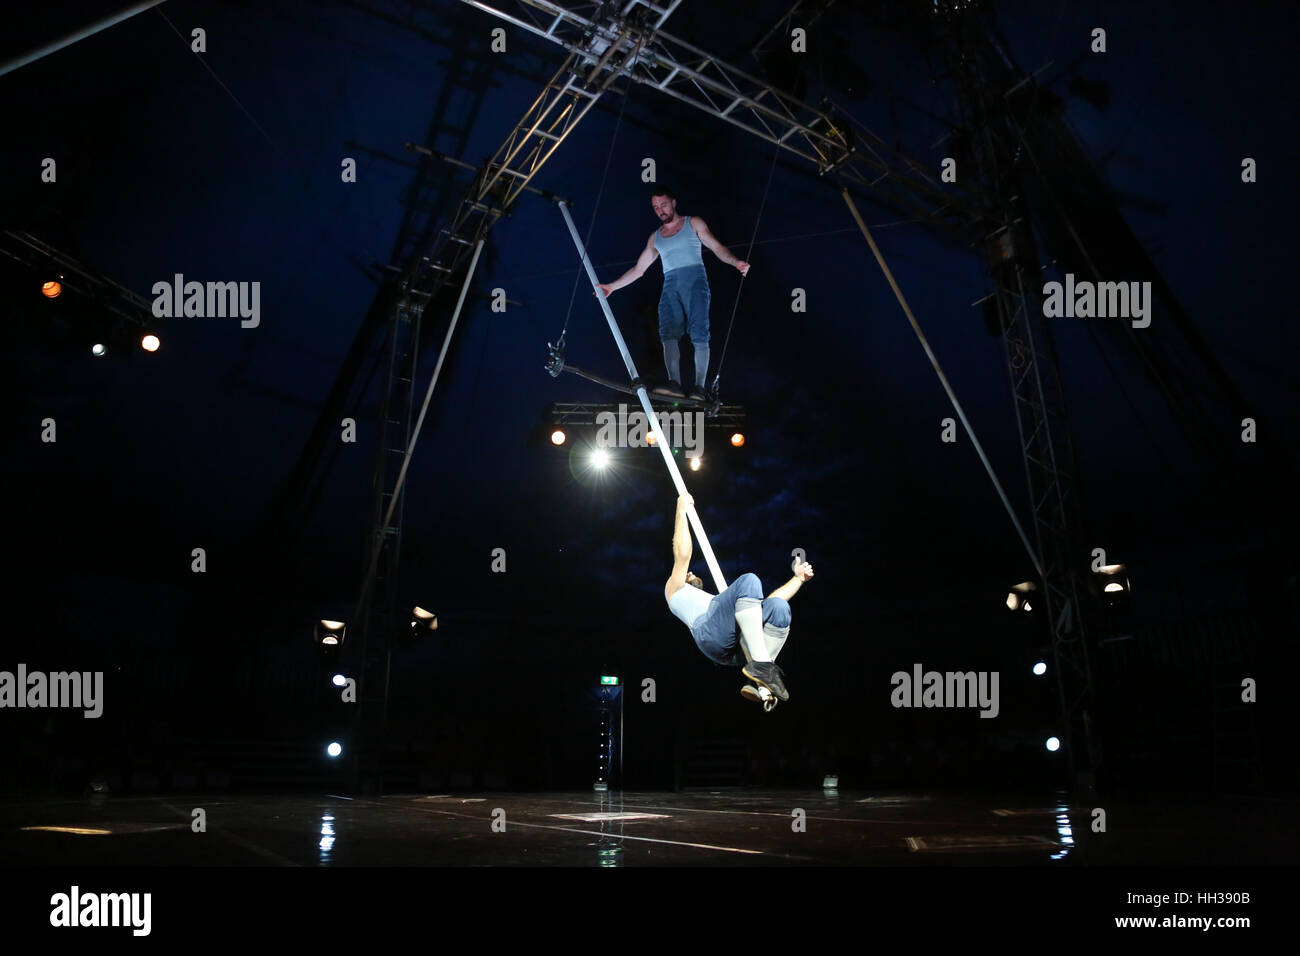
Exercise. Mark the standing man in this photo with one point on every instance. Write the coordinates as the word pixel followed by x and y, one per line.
pixel 684 303
pixel 738 627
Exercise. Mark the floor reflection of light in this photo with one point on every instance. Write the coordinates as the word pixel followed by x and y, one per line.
pixel 1065 833
pixel 609 856
pixel 326 838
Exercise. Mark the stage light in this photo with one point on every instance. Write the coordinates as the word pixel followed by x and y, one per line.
pixel 334 749
pixel 340 680
pixel 695 463
pixel 51 290
pixel 150 343
pixel 1053 744
pixel 422 621
pixel 1113 579
pixel 738 439
pixel 1040 668
pixel 651 440
pixel 330 633
pixel 1018 596
pixel 557 437
pixel 600 458
pixel 98 349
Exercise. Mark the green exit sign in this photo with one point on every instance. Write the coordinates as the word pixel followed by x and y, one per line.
pixel 611 681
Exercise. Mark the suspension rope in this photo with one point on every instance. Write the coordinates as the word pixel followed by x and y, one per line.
pixel 717 377
pixel 609 156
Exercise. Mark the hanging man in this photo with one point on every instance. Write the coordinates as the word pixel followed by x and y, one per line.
pixel 684 302
pixel 738 626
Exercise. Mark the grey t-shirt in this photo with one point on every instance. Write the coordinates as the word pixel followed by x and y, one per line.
pixel 689 603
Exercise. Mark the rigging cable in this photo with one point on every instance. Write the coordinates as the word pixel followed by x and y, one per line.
pixel 609 156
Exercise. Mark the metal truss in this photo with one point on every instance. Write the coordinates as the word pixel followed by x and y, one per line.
pixel 982 75
pixel 828 140
pixel 40 256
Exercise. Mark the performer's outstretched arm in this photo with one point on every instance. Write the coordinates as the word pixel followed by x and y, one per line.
pixel 648 255
pixel 802 572
pixel 722 252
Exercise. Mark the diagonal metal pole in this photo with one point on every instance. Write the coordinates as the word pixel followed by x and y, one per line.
pixel 943 380
pixel 718 580
pixel 415 433
pixel 77 35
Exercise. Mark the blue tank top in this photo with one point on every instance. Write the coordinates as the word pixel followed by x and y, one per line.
pixel 690 603
pixel 681 250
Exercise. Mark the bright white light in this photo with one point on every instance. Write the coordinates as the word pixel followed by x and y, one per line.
pixel 1027 607
pixel 1013 601
pixel 339 680
pixel 1113 586
pixel 334 749
pixel 557 437
pixel 98 349
pixel 1040 668
pixel 1053 744
pixel 150 343
pixel 696 462
pixel 600 458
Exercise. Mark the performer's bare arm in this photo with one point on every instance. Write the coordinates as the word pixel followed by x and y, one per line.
pixel 718 249
pixel 681 548
pixel 648 255
pixel 802 572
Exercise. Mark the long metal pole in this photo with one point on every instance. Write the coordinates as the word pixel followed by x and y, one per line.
pixel 419 423
pixel 943 380
pixel 718 580
pixel 377 547
pixel 72 38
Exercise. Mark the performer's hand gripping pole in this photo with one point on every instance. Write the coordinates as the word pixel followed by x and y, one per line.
pixel 662 443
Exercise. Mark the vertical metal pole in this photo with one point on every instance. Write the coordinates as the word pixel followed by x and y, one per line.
pixel 719 581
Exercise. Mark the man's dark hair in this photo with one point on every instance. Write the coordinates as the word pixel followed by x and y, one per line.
pixel 664 191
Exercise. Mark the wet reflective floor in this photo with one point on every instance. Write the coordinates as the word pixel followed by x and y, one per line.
pixel 726 828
